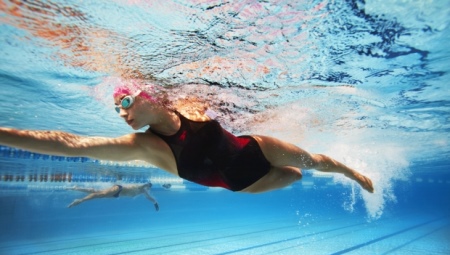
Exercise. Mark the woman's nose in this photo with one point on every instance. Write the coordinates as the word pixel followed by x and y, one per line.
pixel 122 112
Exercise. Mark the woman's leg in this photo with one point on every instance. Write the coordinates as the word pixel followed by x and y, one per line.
pixel 282 154
pixel 276 178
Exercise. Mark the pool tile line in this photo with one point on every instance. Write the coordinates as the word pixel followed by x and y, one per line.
pixel 321 223
pixel 417 238
pixel 139 239
pixel 303 236
pixel 317 223
pixel 161 236
pixel 386 236
pixel 289 239
pixel 326 238
pixel 200 241
pixel 267 244
pixel 142 231
pixel 325 221
pixel 351 231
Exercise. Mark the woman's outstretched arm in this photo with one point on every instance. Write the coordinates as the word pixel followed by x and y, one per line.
pixel 66 144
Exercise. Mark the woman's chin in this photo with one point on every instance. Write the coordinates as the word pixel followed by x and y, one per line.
pixel 136 127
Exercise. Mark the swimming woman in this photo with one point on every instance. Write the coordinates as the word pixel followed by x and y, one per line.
pixel 194 147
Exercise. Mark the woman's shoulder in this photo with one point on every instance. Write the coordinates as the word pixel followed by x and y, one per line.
pixel 194 109
pixel 155 151
pixel 197 116
pixel 200 116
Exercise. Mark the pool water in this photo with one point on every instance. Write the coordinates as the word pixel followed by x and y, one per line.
pixel 365 82
pixel 304 219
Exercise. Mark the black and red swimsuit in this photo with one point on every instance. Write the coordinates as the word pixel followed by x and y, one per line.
pixel 209 155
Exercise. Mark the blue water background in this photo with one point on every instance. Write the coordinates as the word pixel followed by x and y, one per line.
pixel 365 82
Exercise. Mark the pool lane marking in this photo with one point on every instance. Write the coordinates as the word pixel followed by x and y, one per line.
pixel 386 236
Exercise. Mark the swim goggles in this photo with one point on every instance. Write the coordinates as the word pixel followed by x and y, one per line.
pixel 127 101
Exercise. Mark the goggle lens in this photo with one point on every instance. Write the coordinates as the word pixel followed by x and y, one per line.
pixel 125 103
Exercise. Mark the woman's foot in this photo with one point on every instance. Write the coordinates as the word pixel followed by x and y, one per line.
pixel 364 181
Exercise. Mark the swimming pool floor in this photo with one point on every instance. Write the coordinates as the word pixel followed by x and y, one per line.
pixel 400 234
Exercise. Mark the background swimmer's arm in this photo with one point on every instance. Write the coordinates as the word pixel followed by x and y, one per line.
pixel 66 144
pixel 152 199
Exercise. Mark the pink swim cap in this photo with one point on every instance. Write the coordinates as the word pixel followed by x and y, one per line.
pixel 129 87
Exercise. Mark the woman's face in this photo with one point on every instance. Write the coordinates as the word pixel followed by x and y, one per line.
pixel 131 109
